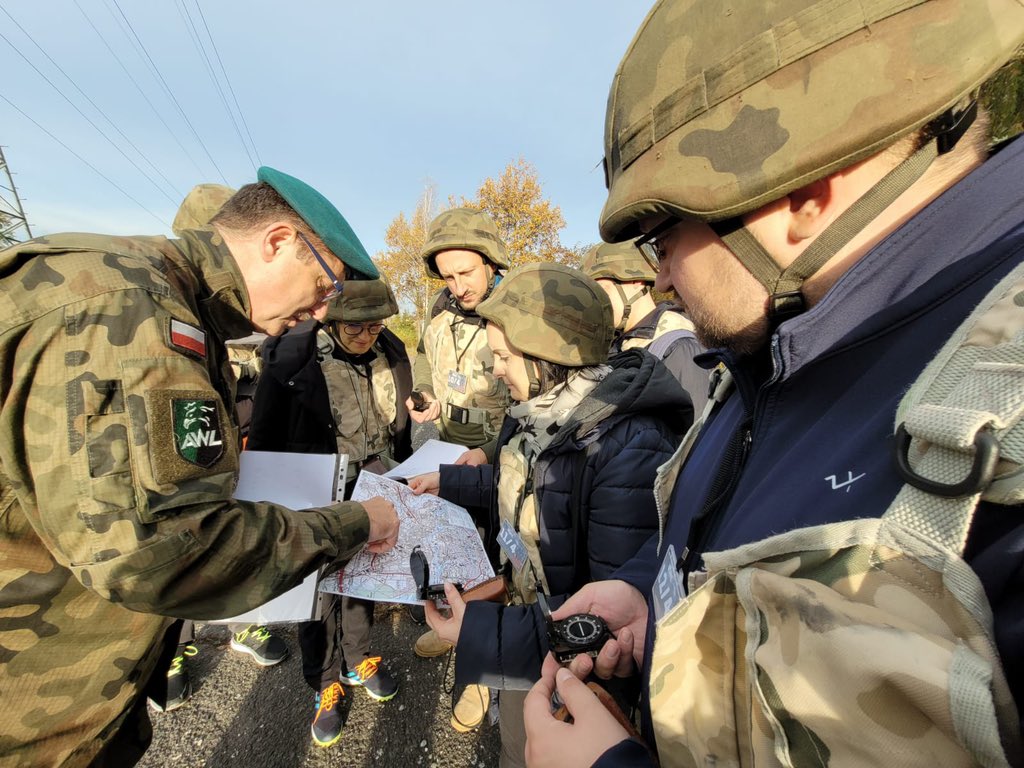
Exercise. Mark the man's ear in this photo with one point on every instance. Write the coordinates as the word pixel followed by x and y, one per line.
pixel 811 209
pixel 276 238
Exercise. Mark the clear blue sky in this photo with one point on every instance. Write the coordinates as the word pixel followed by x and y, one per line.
pixel 369 102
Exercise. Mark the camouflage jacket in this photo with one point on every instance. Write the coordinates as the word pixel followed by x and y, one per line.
pixel 118 460
pixel 454 363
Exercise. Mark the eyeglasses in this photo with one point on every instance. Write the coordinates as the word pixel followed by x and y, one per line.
pixel 354 329
pixel 339 286
pixel 652 245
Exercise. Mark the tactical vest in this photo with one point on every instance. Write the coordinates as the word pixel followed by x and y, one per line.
pixel 863 642
pixel 459 358
pixel 363 408
pixel 517 503
pixel 670 320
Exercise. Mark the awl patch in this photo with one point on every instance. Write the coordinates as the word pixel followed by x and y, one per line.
pixel 197 432
pixel 185 336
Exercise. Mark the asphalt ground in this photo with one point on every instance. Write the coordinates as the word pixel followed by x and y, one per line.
pixel 244 714
pixel 241 714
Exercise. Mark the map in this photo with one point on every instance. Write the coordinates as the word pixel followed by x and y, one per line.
pixel 445 532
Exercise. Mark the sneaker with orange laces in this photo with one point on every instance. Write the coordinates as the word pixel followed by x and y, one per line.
pixel 327 723
pixel 374 678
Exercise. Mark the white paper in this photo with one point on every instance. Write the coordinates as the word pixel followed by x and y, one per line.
pixel 444 531
pixel 430 456
pixel 296 481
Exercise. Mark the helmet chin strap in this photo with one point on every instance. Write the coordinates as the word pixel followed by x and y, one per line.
pixel 627 304
pixel 492 280
pixel 785 298
pixel 532 377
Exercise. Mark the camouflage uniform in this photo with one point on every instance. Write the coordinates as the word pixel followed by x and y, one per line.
pixel 119 457
pixel 453 361
pixel 454 341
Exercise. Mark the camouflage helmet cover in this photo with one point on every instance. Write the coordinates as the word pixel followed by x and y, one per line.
pixel 717 109
pixel 363 301
pixel 621 262
pixel 463 229
pixel 199 206
pixel 552 312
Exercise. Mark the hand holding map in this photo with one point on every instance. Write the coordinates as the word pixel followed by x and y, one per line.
pixel 444 531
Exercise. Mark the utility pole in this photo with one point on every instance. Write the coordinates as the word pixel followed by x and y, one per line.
pixel 12 215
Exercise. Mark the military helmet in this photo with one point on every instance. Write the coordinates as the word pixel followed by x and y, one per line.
pixel 621 262
pixel 463 229
pixel 199 206
pixel 552 312
pixel 718 108
pixel 363 301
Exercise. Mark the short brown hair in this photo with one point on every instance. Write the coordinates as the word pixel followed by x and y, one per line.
pixel 255 205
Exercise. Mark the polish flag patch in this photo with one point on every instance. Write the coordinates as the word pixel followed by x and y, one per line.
pixel 185 336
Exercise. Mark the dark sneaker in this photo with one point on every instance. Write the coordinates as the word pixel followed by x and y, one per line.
pixel 379 684
pixel 179 686
pixel 265 648
pixel 327 724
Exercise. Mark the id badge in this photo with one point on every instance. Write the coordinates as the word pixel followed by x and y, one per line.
pixel 512 545
pixel 457 381
pixel 668 587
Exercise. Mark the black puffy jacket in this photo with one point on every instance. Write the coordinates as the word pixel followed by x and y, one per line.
pixel 605 461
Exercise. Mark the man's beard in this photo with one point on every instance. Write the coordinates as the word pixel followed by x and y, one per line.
pixel 713 333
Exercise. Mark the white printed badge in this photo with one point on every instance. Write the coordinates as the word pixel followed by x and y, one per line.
pixel 512 545
pixel 668 587
pixel 457 381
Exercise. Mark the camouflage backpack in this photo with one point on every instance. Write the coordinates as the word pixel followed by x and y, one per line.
pixel 909 640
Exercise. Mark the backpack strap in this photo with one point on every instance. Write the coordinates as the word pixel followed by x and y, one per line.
pixel 720 387
pixel 661 345
pixel 959 431
pixel 441 301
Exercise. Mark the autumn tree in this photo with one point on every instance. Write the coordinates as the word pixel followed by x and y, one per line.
pixel 572 255
pixel 400 264
pixel 528 223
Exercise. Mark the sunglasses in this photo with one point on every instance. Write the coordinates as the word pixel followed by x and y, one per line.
pixel 652 245
pixel 338 285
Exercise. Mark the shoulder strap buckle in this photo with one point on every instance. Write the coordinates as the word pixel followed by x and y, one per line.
pixel 986 457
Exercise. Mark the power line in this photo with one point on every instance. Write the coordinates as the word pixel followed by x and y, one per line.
pixel 170 94
pixel 94 105
pixel 227 80
pixel 88 119
pixel 197 42
pixel 97 170
pixel 138 87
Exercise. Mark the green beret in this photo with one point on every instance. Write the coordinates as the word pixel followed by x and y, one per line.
pixel 324 219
